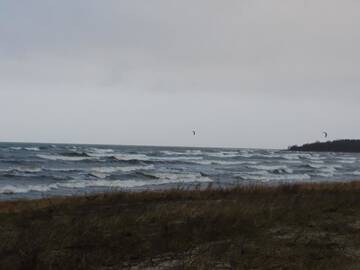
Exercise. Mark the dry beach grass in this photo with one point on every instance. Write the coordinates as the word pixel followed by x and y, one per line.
pixel 304 226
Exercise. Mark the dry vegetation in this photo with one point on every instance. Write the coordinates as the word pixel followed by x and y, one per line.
pixel 311 226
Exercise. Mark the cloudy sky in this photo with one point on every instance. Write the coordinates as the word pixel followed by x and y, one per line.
pixel 243 73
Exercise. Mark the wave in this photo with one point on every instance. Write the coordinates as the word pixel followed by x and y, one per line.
pixel 75 154
pixel 22 169
pixel 100 153
pixel 271 168
pixel 36 149
pixel 220 162
pixel 282 171
pixel 323 170
pixel 294 161
pixel 101 150
pixel 229 154
pixel 64 158
pixel 180 158
pixel 12 189
pixel 79 184
pixel 291 156
pixel 122 169
pixel 98 175
pixel 130 183
pixel 318 161
pixel 272 177
pixel 63 169
pixel 348 160
pixel 128 157
pixel 187 152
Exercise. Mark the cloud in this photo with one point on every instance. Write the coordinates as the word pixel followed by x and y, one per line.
pixel 288 52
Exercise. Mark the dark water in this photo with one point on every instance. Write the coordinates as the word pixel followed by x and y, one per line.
pixel 42 170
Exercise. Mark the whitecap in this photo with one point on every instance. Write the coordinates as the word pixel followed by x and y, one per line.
pixel 64 158
pixel 163 179
pixel 194 152
pixel 187 152
pixel 346 159
pixel 179 158
pixel 102 150
pixel 12 189
pixel 229 154
pixel 22 169
pixel 122 169
pixel 128 157
pixel 99 175
pixel 172 153
pixel 269 167
pixel 16 148
pixel 36 149
pixel 63 169
pixel 291 156
pixel 271 177
pixel 221 162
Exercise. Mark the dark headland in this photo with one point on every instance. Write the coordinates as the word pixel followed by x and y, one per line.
pixel 347 146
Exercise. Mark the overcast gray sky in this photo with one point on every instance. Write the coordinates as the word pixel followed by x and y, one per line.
pixel 243 73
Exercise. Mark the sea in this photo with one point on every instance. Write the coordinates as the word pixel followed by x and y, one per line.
pixel 32 171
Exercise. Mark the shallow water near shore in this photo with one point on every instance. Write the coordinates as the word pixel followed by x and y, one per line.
pixel 44 170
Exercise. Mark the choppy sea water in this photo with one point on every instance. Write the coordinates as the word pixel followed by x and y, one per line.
pixel 43 170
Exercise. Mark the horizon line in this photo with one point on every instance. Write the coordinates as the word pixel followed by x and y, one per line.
pixel 140 145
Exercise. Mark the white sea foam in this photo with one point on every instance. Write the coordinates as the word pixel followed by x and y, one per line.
pixel 177 153
pixel 101 150
pixel 99 175
pixel 179 176
pixel 78 184
pixel 127 157
pixel 130 183
pixel 325 170
pixel 11 189
pixel 36 149
pixel 229 154
pixel 221 162
pixel 272 177
pixel 295 161
pixel 64 169
pixel 271 168
pixel 22 169
pixel 193 152
pixel 179 158
pixel 64 158
pixel 122 169
pixel 172 153
pixel 291 156
pixel 16 148
pixel 319 161
pixel 28 169
pixel 346 159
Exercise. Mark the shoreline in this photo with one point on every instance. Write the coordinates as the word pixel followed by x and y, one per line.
pixel 188 188
pixel 300 226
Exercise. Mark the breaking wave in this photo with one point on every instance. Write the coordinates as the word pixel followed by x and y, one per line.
pixel 163 179
pixel 122 169
pixel 64 158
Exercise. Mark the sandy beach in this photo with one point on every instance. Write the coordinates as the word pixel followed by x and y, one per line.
pixel 305 226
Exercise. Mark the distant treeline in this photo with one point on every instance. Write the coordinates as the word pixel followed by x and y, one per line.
pixel 330 146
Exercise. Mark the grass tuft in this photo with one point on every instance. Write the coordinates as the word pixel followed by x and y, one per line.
pixel 302 226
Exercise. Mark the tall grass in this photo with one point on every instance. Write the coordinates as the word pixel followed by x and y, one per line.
pixel 307 226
